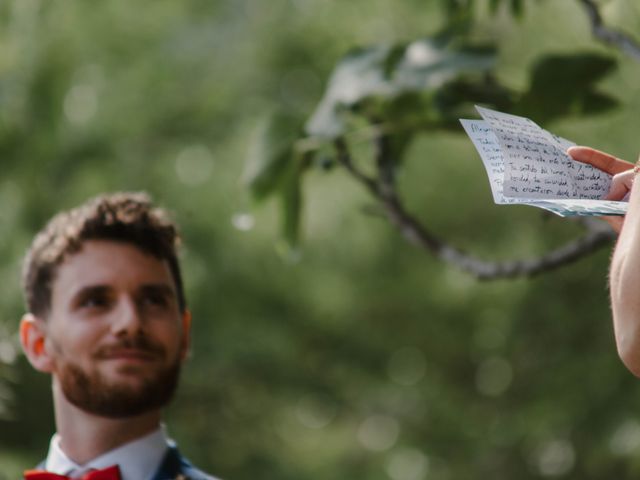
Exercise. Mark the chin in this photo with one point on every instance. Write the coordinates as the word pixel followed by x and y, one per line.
pixel 124 391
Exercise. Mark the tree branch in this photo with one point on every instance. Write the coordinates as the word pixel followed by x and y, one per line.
pixel 344 158
pixel 382 187
pixel 607 35
pixel 417 234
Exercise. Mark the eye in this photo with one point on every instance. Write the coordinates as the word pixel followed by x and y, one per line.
pixel 154 299
pixel 95 300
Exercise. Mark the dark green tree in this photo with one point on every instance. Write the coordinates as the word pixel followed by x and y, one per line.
pixel 358 357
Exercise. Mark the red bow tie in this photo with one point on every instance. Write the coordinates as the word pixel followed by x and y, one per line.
pixel 110 473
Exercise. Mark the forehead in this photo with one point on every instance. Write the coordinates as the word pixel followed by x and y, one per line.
pixel 109 263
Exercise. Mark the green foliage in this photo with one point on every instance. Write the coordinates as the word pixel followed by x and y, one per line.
pixel 291 203
pixel 408 87
pixel 366 358
pixel 462 15
pixel 389 72
pixel 566 85
pixel 272 154
pixel 274 167
pixel 423 86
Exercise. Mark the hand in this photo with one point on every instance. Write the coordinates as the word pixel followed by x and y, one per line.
pixel 621 170
pixel 602 161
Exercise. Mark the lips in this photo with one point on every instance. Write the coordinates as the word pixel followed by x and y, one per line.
pixel 137 349
pixel 129 354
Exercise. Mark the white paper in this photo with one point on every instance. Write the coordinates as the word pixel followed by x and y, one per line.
pixel 528 165
pixel 490 152
pixel 536 162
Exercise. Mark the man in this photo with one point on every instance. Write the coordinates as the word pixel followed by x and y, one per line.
pixel 108 321
pixel 624 275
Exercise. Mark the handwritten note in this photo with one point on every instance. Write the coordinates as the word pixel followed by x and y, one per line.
pixel 487 145
pixel 529 165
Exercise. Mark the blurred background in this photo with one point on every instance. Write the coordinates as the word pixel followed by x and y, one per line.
pixel 339 352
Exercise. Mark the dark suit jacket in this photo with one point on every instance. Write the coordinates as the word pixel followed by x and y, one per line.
pixel 174 467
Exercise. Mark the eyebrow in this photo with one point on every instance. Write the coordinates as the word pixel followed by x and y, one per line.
pixel 158 288
pixel 88 291
pixel 149 288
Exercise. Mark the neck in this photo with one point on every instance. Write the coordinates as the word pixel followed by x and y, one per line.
pixel 85 436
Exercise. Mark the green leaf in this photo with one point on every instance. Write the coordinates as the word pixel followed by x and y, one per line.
pixel 389 71
pixel 393 58
pixel 456 99
pixel 566 84
pixel 270 153
pixel 291 205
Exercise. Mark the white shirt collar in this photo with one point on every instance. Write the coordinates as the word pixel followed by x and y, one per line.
pixel 138 460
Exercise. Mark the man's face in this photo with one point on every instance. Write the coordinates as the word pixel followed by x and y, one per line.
pixel 115 333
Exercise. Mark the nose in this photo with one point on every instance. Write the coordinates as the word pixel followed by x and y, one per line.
pixel 127 319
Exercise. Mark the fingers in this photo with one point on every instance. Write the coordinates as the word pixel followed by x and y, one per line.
pixel 602 161
pixel 620 185
pixel 621 170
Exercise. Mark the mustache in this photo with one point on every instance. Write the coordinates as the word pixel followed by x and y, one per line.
pixel 139 343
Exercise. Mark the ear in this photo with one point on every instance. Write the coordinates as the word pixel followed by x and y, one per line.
pixel 186 334
pixel 32 337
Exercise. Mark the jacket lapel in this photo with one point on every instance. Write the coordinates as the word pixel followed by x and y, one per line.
pixel 171 466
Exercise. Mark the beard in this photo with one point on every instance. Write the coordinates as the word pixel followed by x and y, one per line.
pixel 95 394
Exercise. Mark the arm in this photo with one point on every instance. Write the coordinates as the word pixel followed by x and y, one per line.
pixel 624 276
pixel 624 283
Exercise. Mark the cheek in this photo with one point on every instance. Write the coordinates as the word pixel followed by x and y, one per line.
pixel 73 343
pixel 173 339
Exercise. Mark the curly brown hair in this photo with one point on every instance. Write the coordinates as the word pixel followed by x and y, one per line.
pixel 128 217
